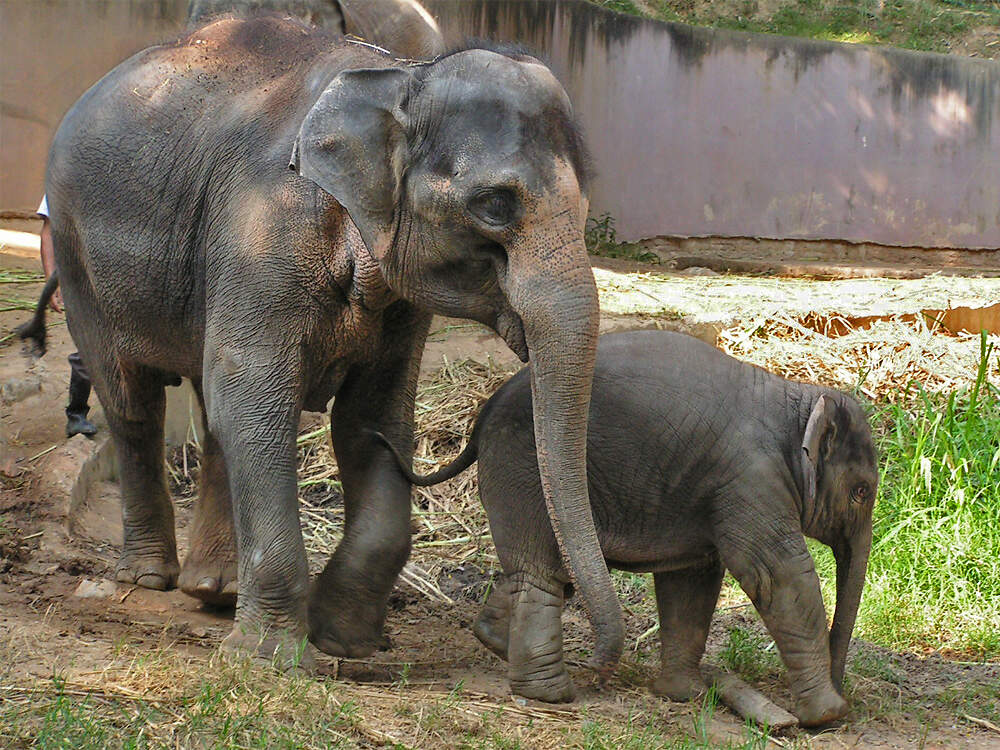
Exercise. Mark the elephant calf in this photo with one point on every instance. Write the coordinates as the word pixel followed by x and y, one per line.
pixel 696 463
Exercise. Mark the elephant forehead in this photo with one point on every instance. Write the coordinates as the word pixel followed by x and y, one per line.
pixel 477 126
pixel 487 78
pixel 467 127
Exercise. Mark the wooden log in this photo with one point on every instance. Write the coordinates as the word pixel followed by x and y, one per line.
pixel 747 702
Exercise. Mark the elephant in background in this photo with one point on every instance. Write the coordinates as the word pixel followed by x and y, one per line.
pixel 404 27
pixel 275 214
pixel 696 463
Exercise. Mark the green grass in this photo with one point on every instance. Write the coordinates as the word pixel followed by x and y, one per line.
pixel 934 576
pixel 20 276
pixel 9 304
pixel 750 654
pixel 934 573
pixel 977 699
pixel 162 699
pixel 602 240
pixel 230 707
pixel 637 734
pixel 926 25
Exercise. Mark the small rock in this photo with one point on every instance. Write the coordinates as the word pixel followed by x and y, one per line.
pixel 699 271
pixel 18 389
pixel 42 569
pixel 89 589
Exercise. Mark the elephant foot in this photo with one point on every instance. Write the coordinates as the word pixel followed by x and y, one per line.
pixel 214 581
pixel 332 633
pixel 492 627
pixel 157 572
pixel 556 689
pixel 678 685
pixel 344 631
pixel 820 708
pixel 492 634
pixel 285 650
pixel 329 641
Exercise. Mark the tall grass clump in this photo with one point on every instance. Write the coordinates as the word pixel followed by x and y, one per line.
pixel 934 575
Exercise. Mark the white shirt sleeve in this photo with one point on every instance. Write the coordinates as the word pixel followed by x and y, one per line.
pixel 43 207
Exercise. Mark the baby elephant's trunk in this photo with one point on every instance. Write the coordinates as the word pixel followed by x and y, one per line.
pixel 851 554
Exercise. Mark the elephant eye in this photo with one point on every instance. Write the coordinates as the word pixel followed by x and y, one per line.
pixel 861 493
pixel 494 207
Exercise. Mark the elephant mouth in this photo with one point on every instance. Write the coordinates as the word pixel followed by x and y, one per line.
pixel 511 330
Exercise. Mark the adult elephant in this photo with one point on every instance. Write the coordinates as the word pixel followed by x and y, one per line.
pixel 404 27
pixel 186 246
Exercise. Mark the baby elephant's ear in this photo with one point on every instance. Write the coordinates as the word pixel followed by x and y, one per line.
pixel 821 429
pixel 352 143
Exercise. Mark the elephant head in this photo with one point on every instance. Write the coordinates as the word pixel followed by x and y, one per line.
pixel 840 479
pixel 466 180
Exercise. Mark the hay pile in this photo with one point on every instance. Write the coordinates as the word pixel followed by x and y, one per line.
pixel 821 331
pixel 883 361
pixel 729 299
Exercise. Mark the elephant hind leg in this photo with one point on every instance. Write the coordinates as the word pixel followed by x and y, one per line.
pixel 492 627
pixel 535 649
pixel 209 572
pixel 685 600
pixel 134 402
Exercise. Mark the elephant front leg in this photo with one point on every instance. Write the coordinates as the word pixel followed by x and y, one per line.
pixel 209 571
pixel 685 600
pixel 535 647
pixel 254 415
pixel 779 577
pixel 347 606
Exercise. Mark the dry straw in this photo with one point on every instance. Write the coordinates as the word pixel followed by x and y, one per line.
pixel 449 524
pixel 882 360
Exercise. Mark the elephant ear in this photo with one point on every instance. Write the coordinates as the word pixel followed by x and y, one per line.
pixel 821 430
pixel 352 143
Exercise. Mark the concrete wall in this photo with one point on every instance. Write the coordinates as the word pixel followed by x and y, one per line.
pixel 51 51
pixel 694 132
pixel 697 132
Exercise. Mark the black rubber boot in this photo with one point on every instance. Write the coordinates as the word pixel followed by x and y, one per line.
pixel 79 394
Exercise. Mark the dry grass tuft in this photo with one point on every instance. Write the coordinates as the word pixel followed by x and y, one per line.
pixel 449 524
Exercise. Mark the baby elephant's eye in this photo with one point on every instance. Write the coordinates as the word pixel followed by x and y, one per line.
pixel 861 493
pixel 494 207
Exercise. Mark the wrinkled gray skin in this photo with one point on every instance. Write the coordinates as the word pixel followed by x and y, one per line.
pixel 186 246
pixel 697 463
pixel 404 27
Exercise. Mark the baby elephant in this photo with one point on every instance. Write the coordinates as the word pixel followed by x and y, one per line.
pixel 696 463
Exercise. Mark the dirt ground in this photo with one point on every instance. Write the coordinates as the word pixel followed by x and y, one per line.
pixel 898 700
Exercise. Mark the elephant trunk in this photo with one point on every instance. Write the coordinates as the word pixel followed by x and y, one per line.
pixel 560 314
pixel 851 555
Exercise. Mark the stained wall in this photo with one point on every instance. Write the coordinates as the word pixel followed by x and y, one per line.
pixel 694 132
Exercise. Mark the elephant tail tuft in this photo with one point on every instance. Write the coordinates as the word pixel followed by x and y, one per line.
pixel 34 329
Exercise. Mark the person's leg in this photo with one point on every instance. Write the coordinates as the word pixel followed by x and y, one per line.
pixel 79 394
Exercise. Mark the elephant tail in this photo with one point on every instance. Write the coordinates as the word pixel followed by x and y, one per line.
pixel 464 460
pixel 34 329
